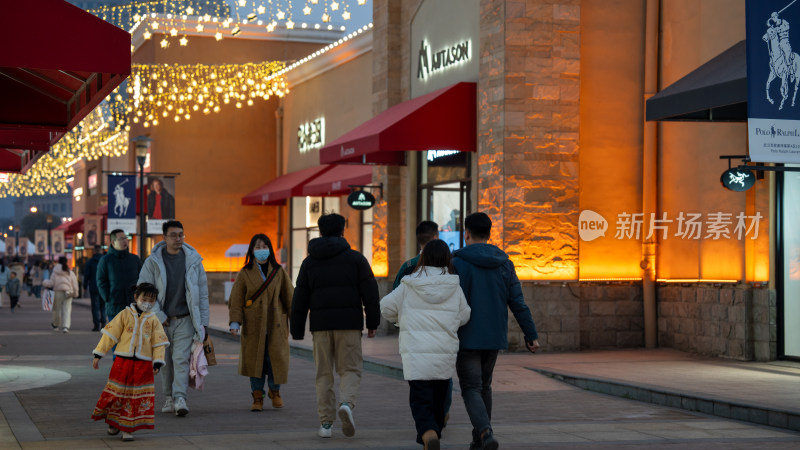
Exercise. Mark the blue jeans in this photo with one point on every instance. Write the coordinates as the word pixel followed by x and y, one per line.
pixel 475 369
pixel 427 401
pixel 257 384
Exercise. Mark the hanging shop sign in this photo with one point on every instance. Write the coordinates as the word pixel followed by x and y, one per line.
pixel 773 114
pixel 361 200
pixel 738 180
pixel 311 135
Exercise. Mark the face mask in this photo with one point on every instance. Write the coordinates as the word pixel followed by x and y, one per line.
pixel 144 306
pixel 262 254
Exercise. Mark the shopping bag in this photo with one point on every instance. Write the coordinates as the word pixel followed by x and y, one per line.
pixel 208 349
pixel 47 299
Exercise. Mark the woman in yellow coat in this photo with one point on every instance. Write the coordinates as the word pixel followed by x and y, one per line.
pixel 259 307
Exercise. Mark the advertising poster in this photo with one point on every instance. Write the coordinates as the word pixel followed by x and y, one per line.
pixel 11 246
pixel 41 242
pixel 773 69
pixel 122 203
pixel 23 248
pixel 160 202
pixel 91 231
pixel 58 242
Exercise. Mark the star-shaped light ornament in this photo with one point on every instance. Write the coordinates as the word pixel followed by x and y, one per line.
pixel 173 32
pixel 362 2
pixel 137 18
pixel 199 28
pixel 154 25
pixel 326 18
pixel 270 28
pixel 242 3
pixel 164 43
pixel 334 6
pixel 314 2
pixel 147 34
pixel 184 41
pixel 218 36
pixel 190 11
pixel 289 24
pixel 207 18
pixel 262 9
pixel 280 15
pixel 307 10
pixel 346 15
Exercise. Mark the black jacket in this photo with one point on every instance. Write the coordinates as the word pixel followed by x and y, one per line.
pixel 337 285
pixel 117 273
pixel 90 273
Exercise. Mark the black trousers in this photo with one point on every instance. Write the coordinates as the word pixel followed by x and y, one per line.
pixel 427 401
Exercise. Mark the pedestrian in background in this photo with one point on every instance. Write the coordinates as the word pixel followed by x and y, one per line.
pixel 336 289
pixel 3 279
pixel 259 306
pixel 36 279
pixel 176 269
pixel 128 401
pixel 429 306
pixel 14 288
pixel 65 287
pixel 491 286
pixel 426 231
pixel 116 274
pixel 90 287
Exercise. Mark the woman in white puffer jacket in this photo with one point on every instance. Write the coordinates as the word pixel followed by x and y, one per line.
pixel 429 306
pixel 65 286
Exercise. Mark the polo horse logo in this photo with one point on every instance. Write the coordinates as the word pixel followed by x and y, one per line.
pixel 120 201
pixel 783 63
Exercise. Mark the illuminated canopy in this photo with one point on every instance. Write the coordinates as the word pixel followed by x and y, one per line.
pixel 441 120
pixel 58 64
pixel 715 91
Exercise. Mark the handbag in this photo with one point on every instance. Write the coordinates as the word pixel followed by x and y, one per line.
pixel 208 349
pixel 47 299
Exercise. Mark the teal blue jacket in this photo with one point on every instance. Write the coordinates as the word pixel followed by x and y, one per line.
pixel 117 273
pixel 490 283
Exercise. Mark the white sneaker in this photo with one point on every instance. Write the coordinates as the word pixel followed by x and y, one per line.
pixel 346 415
pixel 324 430
pixel 180 406
pixel 168 406
pixel 127 436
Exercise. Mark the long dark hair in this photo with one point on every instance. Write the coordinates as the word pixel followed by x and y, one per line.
pixel 436 253
pixel 63 261
pixel 251 259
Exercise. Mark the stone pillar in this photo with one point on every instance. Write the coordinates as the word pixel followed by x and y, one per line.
pixel 528 129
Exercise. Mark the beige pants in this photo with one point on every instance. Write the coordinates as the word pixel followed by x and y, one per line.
pixel 342 349
pixel 62 309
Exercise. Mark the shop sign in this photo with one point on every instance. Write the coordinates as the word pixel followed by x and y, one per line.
pixel 361 200
pixel 430 61
pixel 773 66
pixel 714 226
pixel 738 180
pixel 311 135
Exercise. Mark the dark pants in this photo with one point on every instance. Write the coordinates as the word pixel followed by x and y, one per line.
pixel 14 300
pixel 257 384
pixel 427 400
pixel 475 369
pixel 98 309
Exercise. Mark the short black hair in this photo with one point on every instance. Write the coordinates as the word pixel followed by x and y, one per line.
pixel 146 289
pixel 170 224
pixel 479 225
pixel 426 230
pixel 113 233
pixel 331 225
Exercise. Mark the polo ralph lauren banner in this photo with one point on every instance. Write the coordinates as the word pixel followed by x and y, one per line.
pixel 122 203
pixel 773 75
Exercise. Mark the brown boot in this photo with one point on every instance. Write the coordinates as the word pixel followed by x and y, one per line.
pixel 258 401
pixel 430 440
pixel 277 402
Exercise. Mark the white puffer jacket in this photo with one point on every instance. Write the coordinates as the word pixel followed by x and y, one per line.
pixel 63 281
pixel 429 307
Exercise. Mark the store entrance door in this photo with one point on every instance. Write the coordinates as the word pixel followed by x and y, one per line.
pixel 447 205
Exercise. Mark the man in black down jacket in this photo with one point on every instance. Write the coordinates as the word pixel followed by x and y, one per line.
pixel 337 285
pixel 117 273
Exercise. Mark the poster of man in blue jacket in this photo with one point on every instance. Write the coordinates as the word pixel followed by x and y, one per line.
pixel 490 283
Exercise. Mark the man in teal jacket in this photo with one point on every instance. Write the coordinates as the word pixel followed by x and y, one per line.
pixel 491 286
pixel 117 273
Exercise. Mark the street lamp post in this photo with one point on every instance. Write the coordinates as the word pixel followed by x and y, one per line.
pixel 142 145
pixel 49 239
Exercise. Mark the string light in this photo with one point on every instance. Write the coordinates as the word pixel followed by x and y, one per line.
pixel 169 17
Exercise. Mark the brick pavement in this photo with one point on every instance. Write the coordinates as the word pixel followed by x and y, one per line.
pixel 531 410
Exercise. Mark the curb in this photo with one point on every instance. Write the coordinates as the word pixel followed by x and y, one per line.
pixel 707 405
pixel 371 365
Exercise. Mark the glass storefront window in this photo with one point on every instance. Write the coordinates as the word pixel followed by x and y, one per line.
pixel 791 263
pixel 366 234
pixel 444 192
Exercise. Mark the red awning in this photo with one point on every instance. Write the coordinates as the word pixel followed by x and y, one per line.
pixel 283 187
pixel 58 64
pixel 442 120
pixel 337 180
pixel 72 227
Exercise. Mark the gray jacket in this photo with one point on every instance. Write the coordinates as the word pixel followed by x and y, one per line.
pixel 155 272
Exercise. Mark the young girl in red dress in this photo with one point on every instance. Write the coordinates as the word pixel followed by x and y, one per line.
pixel 127 402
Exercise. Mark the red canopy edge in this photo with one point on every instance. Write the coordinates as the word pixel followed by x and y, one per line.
pixel 276 191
